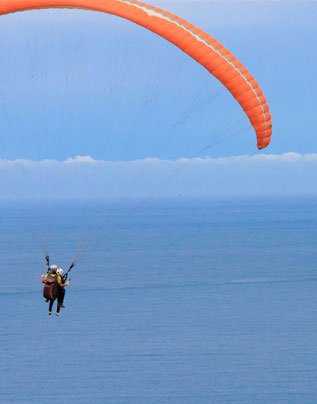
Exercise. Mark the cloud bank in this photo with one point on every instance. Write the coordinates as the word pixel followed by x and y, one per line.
pixel 88 160
pixel 245 175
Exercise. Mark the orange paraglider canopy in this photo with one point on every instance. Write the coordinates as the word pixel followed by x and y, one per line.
pixel 193 41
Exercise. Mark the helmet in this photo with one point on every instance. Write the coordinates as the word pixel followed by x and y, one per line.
pixel 60 272
pixel 53 269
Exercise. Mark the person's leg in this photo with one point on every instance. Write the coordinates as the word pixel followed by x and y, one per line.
pixel 60 297
pixel 58 308
pixel 50 307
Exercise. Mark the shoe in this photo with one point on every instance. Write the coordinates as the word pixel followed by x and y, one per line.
pixel 56 314
pixel 49 313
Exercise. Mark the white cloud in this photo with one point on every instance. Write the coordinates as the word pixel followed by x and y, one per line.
pixel 80 160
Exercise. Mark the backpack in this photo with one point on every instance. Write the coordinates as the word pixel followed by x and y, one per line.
pixel 50 287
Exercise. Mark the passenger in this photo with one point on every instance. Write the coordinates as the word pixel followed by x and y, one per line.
pixel 50 286
pixel 61 290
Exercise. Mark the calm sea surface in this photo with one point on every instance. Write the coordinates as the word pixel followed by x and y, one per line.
pixel 192 303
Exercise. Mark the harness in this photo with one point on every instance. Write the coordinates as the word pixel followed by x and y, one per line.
pixel 50 287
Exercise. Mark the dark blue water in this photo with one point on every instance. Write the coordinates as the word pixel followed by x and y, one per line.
pixel 199 302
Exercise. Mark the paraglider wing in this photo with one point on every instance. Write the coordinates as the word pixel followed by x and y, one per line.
pixel 193 41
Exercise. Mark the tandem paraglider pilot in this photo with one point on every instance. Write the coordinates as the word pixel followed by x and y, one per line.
pixel 54 288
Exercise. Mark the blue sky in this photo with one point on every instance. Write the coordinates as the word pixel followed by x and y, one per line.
pixel 86 95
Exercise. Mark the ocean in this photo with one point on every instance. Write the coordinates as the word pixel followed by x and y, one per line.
pixel 192 302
